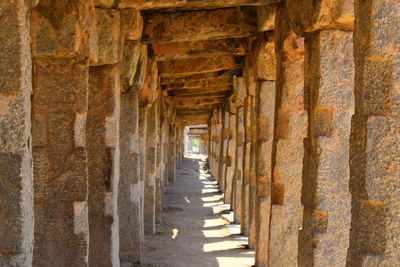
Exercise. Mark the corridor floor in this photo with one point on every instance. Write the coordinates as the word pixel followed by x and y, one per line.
pixel 193 232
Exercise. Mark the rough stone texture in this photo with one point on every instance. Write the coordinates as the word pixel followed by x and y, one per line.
pixel 184 67
pixel 231 156
pixel 265 59
pixel 130 195
pixel 133 24
pixel 199 25
pixel 64 28
pixel 150 171
pixel 189 4
pixel 323 14
pixel 193 49
pixel 265 129
pixel 134 63
pixel 277 109
pixel 102 139
pixel 266 18
pixel 374 159
pixel 291 129
pixel 245 209
pixel 324 238
pixel 59 161
pixel 16 185
pixel 110 33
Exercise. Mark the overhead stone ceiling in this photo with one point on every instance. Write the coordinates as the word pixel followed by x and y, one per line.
pixel 199 46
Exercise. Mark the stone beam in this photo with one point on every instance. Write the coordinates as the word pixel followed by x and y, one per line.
pixel 202 95
pixel 187 92
pixel 193 49
pixel 200 25
pixel 202 76
pixel 189 4
pixel 223 81
pixel 185 67
pixel 193 119
pixel 197 102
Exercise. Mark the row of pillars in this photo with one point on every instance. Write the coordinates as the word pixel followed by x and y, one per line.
pixel 306 150
pixel 87 141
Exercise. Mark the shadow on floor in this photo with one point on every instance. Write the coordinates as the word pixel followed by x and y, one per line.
pixel 193 232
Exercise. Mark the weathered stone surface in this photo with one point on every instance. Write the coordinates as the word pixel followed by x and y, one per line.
pixel 324 237
pixel 133 24
pixel 324 14
pixel 60 170
pixel 150 171
pixel 102 139
pixel 63 28
pixel 231 163
pixel 16 188
pixel 266 18
pixel 109 33
pixel 189 4
pixel 374 159
pixel 222 82
pixel 130 194
pixel 148 92
pixel 104 3
pixel 193 49
pixel 134 65
pixel 265 129
pixel 265 59
pixel 185 67
pixel 287 210
pixel 199 25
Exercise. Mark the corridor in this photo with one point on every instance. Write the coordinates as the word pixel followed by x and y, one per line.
pixel 193 232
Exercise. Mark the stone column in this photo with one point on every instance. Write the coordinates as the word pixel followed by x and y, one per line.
pixel 375 136
pixel 324 237
pixel 171 154
pixel 142 158
pixel 245 210
pixel 60 171
pixel 16 185
pixel 230 158
pixel 102 138
pixel 59 106
pixel 150 170
pixel 266 121
pixel 224 149
pixel 159 184
pixel 130 195
pixel 288 150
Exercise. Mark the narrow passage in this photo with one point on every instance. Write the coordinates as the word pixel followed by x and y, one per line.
pixel 193 232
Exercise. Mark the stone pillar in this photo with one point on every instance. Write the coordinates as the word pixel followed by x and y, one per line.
pixel 288 151
pixel 150 170
pixel 159 184
pixel 224 149
pixel 324 237
pixel 16 185
pixel 102 139
pixel 130 195
pixel 266 126
pixel 142 158
pixel 59 145
pixel 230 158
pixel 59 106
pixel 245 212
pixel 171 154
pixel 375 136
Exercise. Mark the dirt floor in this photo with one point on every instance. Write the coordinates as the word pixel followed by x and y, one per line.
pixel 193 232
